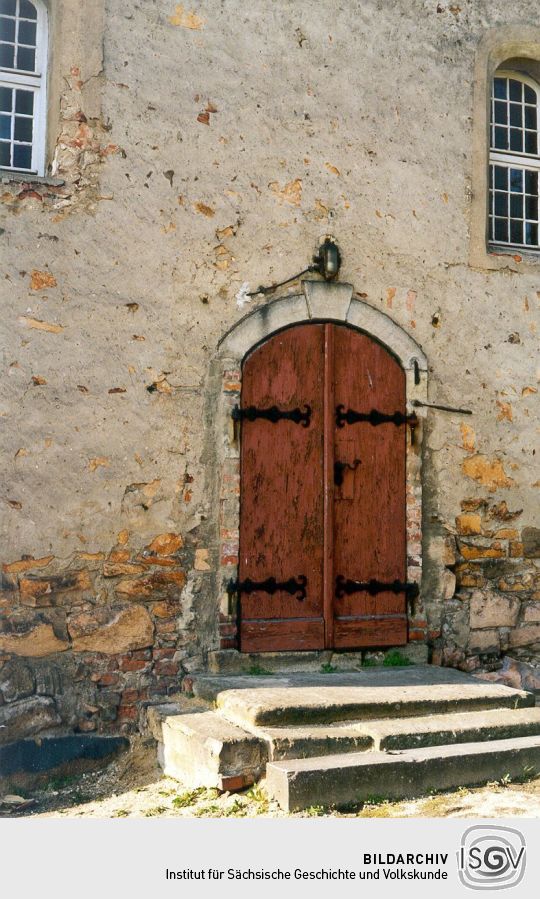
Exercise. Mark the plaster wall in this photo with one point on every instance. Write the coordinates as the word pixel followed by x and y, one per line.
pixel 193 151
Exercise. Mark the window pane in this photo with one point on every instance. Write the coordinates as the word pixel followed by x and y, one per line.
pixel 531 208
pixel 516 117
pixel 7 30
pixel 26 59
pixel 516 232
pixel 530 142
pixel 27 10
pixel 501 203
pixel 531 183
pixel 501 138
pixel 501 177
pixel 516 180
pixel 499 88
pixel 531 234
pixel 7 56
pixel 501 229
pixel 27 33
pixel 22 157
pixel 5 127
pixel 6 95
pixel 516 140
pixel 500 112
pixel 24 102
pixel 516 206
pixel 515 89
pixel 530 95
pixel 8 7
pixel 530 117
pixel 5 154
pixel 23 129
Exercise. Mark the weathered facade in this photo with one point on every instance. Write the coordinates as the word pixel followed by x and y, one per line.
pixel 191 156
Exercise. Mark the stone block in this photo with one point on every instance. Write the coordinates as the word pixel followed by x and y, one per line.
pixel 153 585
pixel 55 589
pixel 205 750
pixel 531 542
pixel 484 641
pixel 111 630
pixel 469 523
pixel 526 635
pixel 16 681
pixel 328 300
pixel 493 610
pixel 27 717
pixel 532 612
pixel 39 641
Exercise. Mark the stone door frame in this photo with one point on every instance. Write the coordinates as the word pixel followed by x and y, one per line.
pixel 319 301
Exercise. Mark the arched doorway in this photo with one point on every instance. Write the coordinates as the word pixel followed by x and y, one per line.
pixel 323 544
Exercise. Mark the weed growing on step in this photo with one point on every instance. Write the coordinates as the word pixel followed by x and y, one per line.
pixel 395 658
pixel 188 798
pixel 314 811
pixel 257 795
pixel 327 668
pixel 259 671
pixel 369 663
pixel 120 813
pixel 155 812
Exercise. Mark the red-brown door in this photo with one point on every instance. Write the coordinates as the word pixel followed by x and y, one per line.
pixel 322 493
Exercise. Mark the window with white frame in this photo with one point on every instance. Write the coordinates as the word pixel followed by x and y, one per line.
pixel 514 162
pixel 23 76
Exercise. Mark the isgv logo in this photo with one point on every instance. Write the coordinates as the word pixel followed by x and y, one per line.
pixel 491 857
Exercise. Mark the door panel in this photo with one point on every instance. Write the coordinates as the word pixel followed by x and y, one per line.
pixel 295 520
pixel 369 508
pixel 282 504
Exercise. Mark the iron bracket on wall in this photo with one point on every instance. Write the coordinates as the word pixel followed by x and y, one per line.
pixel 295 586
pixel 344 587
pixel 374 417
pixel 273 414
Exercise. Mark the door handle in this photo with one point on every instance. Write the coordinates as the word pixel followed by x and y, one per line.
pixel 339 468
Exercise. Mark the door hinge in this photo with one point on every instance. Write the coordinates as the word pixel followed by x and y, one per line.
pixel 273 414
pixel 344 587
pixel 295 586
pixel 374 417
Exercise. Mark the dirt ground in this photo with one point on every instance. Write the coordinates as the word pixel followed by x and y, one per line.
pixel 134 787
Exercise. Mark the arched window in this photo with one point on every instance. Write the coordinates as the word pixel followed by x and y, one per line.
pixel 23 76
pixel 514 161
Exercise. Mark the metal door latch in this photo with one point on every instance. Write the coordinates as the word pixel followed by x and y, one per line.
pixel 339 468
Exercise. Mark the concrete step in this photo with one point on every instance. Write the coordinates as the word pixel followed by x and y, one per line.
pixel 305 742
pixel 349 779
pixel 308 699
pixel 399 733
pixel 206 750
pixel 232 662
pixel 462 727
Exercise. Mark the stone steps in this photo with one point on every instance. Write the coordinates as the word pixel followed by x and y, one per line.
pixel 348 779
pixel 300 699
pixel 400 733
pixel 304 727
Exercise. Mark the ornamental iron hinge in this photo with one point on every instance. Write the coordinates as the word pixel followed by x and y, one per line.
pixel 273 414
pixel 344 586
pixel 374 417
pixel 296 587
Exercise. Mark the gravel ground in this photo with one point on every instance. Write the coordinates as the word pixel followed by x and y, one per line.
pixel 134 787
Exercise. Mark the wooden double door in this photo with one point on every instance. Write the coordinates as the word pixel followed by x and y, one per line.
pixel 322 514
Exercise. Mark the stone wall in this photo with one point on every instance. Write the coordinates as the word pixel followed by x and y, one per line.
pixel 194 154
